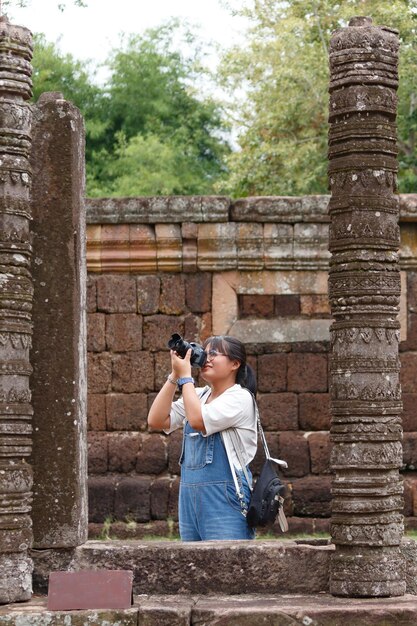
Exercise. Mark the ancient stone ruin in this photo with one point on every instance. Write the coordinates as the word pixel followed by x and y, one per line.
pixel 254 267
pixel 364 291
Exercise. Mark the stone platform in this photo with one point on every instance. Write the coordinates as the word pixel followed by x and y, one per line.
pixel 247 610
pixel 232 567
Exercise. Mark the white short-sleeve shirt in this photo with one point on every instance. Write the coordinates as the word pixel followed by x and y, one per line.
pixel 233 408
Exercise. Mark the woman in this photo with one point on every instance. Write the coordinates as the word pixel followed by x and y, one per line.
pixel 209 507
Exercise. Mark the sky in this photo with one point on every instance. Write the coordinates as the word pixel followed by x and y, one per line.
pixel 91 32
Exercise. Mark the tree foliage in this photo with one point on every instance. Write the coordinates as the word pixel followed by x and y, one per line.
pixel 284 72
pixel 149 131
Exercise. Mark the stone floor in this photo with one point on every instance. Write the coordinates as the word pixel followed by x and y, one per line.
pixel 246 610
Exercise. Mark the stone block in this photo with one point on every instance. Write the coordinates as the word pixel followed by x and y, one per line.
pixel 173 500
pixel 267 209
pixel 157 329
pixel 314 305
pixel 133 499
pixel 148 290
pixel 412 291
pixel 217 246
pixel 411 342
pixel 294 449
pixel 307 372
pixel 134 531
pixel 142 248
pixel 320 450
pixel 206 326
pixel 133 372
pixel 312 496
pixel 250 246
pixel 272 372
pixel 93 252
pixel 114 253
pixel 101 491
pixel 96 411
pixel 409 415
pixel 278 245
pixel 99 372
pixel 192 327
pixel 97 453
pixel 174 451
pixel 198 292
pixel 124 332
pixel 409 495
pixel 410 451
pixel 300 525
pixel 152 457
pixel 256 306
pixel 408 371
pixel 278 411
pixel 116 294
pixel 314 411
pixel 91 294
pixel 123 450
pixel 126 411
pixel 286 305
pixel 162 368
pixel 168 247
pixel 160 490
pixel 172 296
pixel 215 208
pixel 311 241
pixel 96 325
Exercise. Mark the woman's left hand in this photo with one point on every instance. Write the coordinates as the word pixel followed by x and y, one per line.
pixel 181 368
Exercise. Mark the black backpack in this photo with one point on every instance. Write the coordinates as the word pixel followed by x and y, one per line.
pixel 267 497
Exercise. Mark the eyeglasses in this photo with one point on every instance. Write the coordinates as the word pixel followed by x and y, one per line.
pixel 211 354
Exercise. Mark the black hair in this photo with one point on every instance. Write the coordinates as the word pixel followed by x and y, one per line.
pixel 236 351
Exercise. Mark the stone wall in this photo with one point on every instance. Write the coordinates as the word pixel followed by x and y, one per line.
pixel 255 268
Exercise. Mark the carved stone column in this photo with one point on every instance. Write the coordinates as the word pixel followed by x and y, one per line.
pixel 15 313
pixel 364 288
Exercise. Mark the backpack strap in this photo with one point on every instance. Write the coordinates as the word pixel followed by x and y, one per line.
pixel 263 438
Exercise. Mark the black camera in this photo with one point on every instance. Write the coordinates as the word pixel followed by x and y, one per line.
pixel 198 354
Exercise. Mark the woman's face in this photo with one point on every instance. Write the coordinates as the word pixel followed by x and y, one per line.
pixel 218 366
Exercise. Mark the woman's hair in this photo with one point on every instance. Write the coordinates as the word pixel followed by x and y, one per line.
pixel 236 351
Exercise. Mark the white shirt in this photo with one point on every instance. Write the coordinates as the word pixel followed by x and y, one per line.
pixel 233 408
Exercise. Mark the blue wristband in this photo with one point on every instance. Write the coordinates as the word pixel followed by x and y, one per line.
pixel 183 381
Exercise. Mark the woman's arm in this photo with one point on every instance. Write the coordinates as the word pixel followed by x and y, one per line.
pixel 158 417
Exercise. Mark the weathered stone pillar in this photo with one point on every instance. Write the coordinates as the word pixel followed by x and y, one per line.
pixel 15 314
pixel 59 381
pixel 364 288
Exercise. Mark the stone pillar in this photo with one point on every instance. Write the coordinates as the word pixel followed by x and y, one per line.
pixel 59 385
pixel 364 290
pixel 15 313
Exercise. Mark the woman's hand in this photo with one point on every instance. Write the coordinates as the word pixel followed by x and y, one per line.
pixel 181 368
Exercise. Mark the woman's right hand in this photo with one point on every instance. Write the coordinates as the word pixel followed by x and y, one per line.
pixel 181 368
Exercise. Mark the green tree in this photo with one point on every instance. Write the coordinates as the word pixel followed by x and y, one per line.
pixel 153 91
pixel 149 118
pixel 284 72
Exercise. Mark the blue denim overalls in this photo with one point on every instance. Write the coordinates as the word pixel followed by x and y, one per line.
pixel 208 504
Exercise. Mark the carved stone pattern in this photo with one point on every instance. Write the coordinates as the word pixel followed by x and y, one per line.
pixel 364 290
pixel 15 312
pixel 359 182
